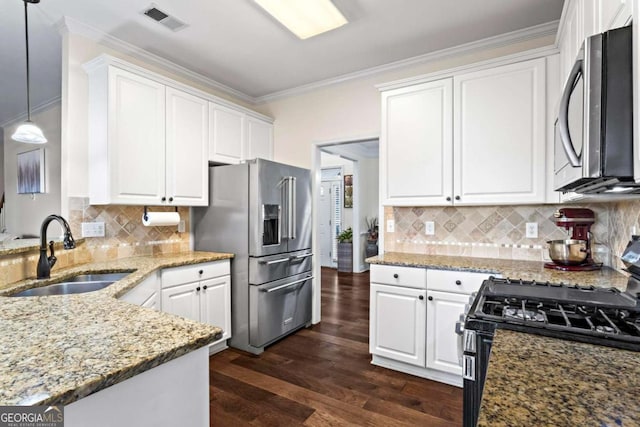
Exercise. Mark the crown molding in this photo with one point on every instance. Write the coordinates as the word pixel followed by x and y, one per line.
pixel 72 26
pixel 542 30
pixel 34 110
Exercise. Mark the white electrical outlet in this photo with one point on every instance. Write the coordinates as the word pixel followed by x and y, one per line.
pixel 391 226
pixel 93 229
pixel 429 228
pixel 181 226
pixel 531 230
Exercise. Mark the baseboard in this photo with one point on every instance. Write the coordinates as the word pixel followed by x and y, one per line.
pixel 430 374
pixel 218 347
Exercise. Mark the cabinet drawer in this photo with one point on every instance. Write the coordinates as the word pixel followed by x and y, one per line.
pixel 193 273
pixel 455 281
pixel 409 277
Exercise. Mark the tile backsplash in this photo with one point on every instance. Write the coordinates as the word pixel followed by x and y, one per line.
pixel 125 235
pixel 499 231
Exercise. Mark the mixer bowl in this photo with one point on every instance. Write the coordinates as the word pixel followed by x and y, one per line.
pixel 568 252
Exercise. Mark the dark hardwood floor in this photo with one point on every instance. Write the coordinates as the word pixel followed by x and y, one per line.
pixel 322 376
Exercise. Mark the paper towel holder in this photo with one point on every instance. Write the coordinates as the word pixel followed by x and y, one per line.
pixel 146 218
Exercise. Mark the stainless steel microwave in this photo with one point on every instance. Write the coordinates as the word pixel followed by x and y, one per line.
pixel 594 130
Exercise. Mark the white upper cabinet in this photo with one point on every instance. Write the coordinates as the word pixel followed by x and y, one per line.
pixel 476 138
pixel 236 136
pixel 417 143
pixel 259 139
pixel 187 134
pixel 151 138
pixel 127 131
pixel 612 13
pixel 227 134
pixel 499 135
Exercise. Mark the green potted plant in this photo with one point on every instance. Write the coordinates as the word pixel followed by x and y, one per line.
pixel 345 251
pixel 372 237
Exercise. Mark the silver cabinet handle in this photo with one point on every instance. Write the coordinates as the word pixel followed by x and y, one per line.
pixel 275 261
pixel 277 288
pixel 563 114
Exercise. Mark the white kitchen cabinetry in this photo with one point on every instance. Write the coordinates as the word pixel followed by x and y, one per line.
pixel 236 136
pixel 259 139
pixel 146 293
pixel 227 134
pixel 447 294
pixel 499 152
pixel 200 292
pixel 442 145
pixel 413 314
pixel 418 143
pixel 443 344
pixel 186 147
pixel 146 142
pixel 397 323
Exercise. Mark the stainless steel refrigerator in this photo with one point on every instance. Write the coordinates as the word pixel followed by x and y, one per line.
pixel 261 211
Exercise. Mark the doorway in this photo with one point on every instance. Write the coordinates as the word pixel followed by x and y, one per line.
pixel 358 158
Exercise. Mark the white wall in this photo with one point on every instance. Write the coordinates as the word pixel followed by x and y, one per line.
pixel 351 110
pixel 25 212
pixel 1 161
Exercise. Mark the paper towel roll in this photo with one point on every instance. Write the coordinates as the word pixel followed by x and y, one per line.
pixel 160 219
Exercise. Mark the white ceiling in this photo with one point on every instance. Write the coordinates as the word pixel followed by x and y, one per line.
pixel 236 43
pixel 361 150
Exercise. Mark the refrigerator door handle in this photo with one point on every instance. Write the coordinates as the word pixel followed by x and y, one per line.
pixel 292 208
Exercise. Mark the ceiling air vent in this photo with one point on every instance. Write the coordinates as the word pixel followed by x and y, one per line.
pixel 163 18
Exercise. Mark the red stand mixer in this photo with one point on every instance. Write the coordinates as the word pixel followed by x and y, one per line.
pixel 573 254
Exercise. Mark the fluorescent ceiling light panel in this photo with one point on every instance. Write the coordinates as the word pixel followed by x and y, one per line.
pixel 305 18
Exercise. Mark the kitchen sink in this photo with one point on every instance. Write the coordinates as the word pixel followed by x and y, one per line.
pixel 75 285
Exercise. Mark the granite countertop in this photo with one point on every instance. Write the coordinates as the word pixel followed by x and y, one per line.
pixel 539 381
pixel 58 349
pixel 514 269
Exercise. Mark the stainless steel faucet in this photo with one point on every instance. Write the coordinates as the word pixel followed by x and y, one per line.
pixel 45 263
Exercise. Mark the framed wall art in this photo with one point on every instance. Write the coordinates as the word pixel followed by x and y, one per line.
pixel 348 191
pixel 31 172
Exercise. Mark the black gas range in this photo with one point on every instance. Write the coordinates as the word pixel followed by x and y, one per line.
pixel 603 316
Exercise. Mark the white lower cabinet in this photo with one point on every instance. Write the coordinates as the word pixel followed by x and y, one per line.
pixel 397 323
pixel 413 314
pixel 443 344
pixel 200 292
pixel 146 293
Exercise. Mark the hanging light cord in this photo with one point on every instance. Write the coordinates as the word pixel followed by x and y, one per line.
pixel 26 37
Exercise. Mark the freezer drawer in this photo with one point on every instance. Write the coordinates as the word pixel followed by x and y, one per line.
pixel 268 268
pixel 278 308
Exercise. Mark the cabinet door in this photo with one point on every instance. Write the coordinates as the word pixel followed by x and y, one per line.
pixel 499 135
pixel 186 145
pixel 443 344
pixel 259 139
pixel 397 323
pixel 182 300
pixel 215 304
pixel 226 127
pixel 416 144
pixel 136 132
pixel 152 302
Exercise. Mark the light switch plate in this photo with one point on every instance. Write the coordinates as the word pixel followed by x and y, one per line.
pixel 391 226
pixel 429 228
pixel 93 229
pixel 531 231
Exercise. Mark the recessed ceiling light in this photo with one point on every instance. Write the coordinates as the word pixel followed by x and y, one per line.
pixel 305 18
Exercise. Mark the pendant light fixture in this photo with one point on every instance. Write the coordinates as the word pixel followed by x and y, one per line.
pixel 28 132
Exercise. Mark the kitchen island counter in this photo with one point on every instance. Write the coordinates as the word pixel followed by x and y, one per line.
pixel 534 380
pixel 58 349
pixel 514 269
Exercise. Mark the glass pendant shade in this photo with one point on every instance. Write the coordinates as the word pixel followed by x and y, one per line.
pixel 29 133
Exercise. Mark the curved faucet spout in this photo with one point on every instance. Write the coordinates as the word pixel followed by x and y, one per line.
pixel 45 263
